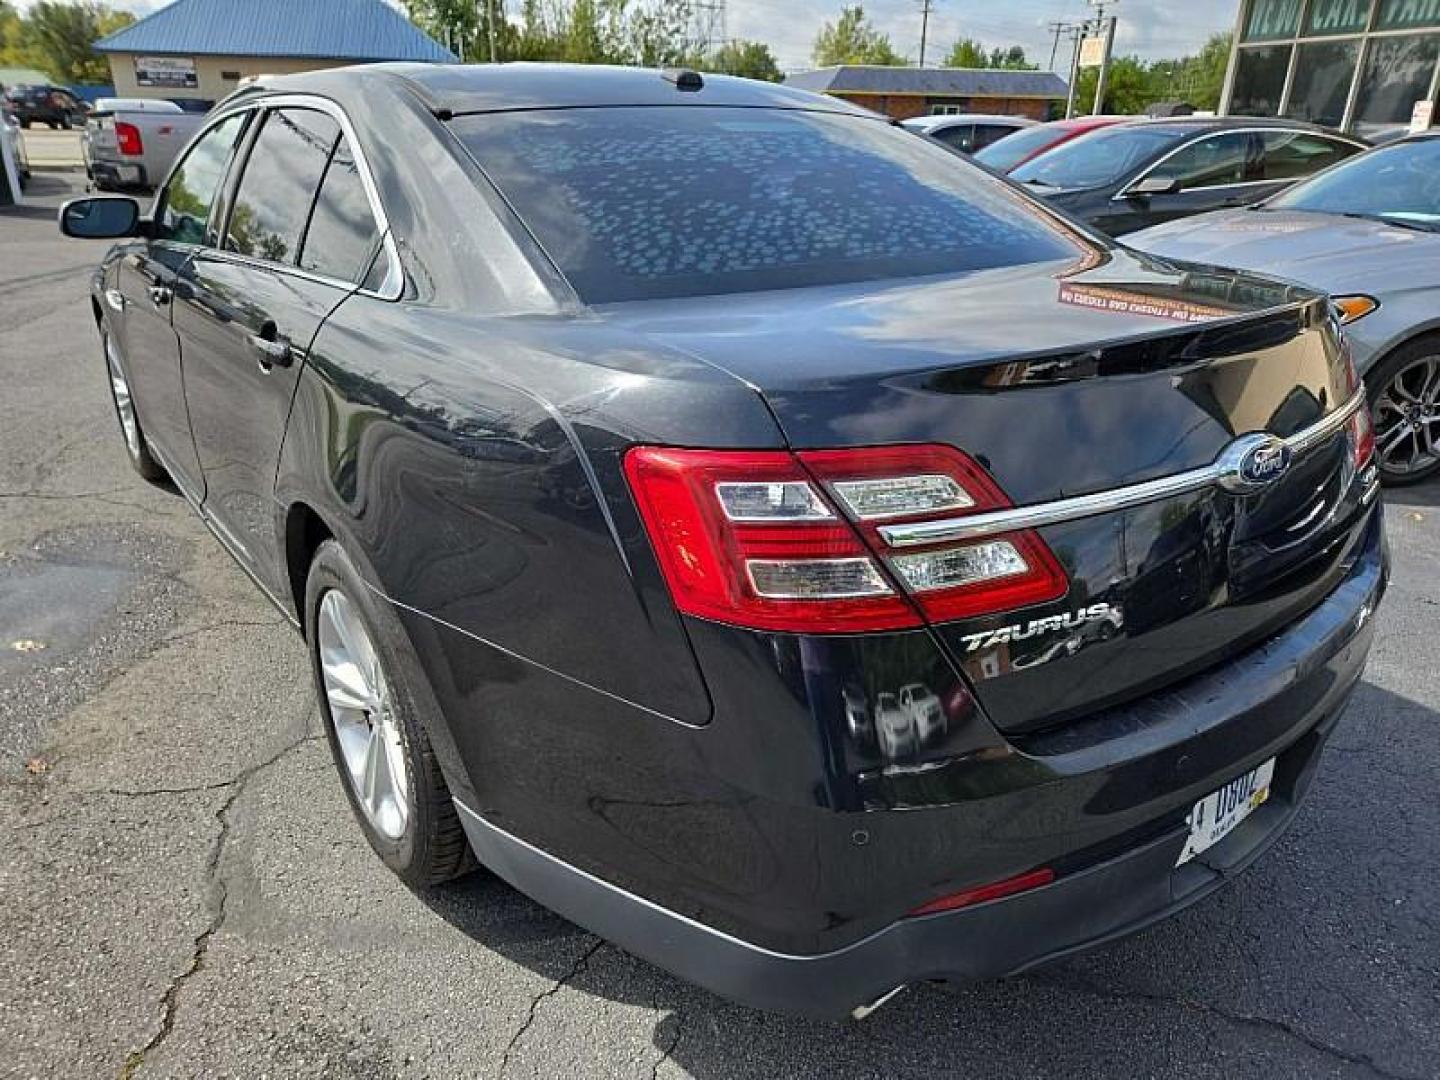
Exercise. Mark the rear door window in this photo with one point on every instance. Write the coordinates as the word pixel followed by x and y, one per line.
pixel 1293 154
pixel 985 134
pixel 665 201
pixel 1215 161
pixel 343 235
pixel 958 136
pixel 195 182
pixel 283 169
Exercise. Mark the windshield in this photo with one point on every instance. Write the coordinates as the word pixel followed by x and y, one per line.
pixel 1004 154
pixel 664 201
pixel 1399 182
pixel 1096 159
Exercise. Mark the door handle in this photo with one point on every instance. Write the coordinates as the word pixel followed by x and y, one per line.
pixel 160 295
pixel 271 350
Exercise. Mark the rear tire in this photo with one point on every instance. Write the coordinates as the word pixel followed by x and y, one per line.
pixel 1403 389
pixel 136 448
pixel 373 699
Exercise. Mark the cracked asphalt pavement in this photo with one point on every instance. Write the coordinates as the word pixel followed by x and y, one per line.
pixel 183 893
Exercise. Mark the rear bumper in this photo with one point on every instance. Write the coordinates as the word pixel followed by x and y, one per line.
pixel 1282 700
pixel 119 174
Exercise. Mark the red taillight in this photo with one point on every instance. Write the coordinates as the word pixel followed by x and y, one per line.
pixel 1361 430
pixel 994 891
pixel 743 537
pixel 127 138
pixel 948 581
pixel 780 541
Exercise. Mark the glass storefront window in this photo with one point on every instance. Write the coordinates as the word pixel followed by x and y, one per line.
pixel 1404 14
pixel 1270 19
pixel 1397 74
pixel 1324 71
pixel 1337 16
pixel 1260 80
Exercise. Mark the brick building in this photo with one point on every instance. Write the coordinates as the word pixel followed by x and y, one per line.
pixel 903 92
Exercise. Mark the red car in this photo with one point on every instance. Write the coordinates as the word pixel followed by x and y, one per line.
pixel 1014 150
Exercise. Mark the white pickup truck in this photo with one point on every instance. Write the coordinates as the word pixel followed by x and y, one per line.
pixel 132 142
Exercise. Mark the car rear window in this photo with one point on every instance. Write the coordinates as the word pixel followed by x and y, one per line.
pixel 649 202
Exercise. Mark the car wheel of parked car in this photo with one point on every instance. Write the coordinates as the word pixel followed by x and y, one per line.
pixel 135 446
pixel 372 697
pixel 1404 391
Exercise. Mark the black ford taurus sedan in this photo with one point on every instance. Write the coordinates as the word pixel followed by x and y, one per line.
pixel 789 551
pixel 1131 176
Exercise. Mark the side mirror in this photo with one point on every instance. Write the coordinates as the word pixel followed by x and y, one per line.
pixel 100 219
pixel 1156 185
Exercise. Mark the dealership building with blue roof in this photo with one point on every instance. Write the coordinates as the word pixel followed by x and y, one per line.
pixel 204 49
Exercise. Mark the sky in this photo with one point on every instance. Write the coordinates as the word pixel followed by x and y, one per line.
pixel 1151 29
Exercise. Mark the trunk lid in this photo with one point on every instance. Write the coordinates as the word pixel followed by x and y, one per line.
pixel 1064 384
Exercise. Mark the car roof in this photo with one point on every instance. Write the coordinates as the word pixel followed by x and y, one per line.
pixel 456 89
pixel 1192 124
pixel 950 119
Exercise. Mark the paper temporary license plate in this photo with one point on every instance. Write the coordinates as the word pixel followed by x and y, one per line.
pixel 1214 816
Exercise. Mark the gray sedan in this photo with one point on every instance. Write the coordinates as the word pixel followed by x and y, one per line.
pixel 1368 232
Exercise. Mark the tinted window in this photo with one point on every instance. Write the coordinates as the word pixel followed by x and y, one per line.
pixel 1400 182
pixel 191 191
pixel 1102 157
pixel 1323 73
pixel 1013 149
pixel 1260 80
pixel 1397 74
pixel 343 236
pixel 635 203
pixel 958 136
pixel 281 174
pixel 985 134
pixel 1290 155
pixel 1211 162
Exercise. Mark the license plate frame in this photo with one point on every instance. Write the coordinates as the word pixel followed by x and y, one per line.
pixel 1218 814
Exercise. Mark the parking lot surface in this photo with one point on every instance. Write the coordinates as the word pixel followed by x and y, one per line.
pixel 183 892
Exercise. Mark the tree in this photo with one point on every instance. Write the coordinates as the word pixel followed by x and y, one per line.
pixel 1011 59
pixel 967 53
pixel 852 40
pixel 463 26
pixel 1128 88
pixel 750 59
pixel 61 37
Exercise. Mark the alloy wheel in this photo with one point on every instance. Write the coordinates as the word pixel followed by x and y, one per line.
pixel 124 404
pixel 361 708
pixel 1407 418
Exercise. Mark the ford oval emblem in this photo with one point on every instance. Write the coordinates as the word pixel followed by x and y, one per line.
pixel 1254 462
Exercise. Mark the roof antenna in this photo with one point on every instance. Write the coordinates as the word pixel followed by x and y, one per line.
pixel 684 79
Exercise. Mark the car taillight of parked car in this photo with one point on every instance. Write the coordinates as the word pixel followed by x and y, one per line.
pixel 775 540
pixel 127 138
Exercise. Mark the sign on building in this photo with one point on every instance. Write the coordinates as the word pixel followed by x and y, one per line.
pixel 171 72
pixel 1092 52
pixel 1422 117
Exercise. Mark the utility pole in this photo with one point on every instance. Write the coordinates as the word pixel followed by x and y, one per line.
pixel 926 7
pixel 1077 35
pixel 1058 29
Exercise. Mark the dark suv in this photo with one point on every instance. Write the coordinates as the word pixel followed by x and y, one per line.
pixel 772 542
pixel 52 105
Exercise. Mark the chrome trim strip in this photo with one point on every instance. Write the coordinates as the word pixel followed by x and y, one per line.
pixel 392 286
pixel 1104 502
